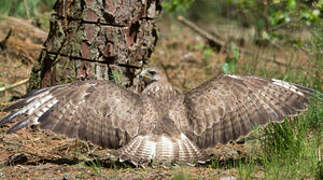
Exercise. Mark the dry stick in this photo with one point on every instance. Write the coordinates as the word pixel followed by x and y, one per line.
pixel 220 43
pixel 14 85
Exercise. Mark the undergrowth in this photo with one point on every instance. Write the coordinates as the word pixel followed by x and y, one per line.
pixel 25 8
pixel 38 11
pixel 290 149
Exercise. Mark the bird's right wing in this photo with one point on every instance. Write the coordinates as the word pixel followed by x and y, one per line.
pixel 229 106
pixel 98 111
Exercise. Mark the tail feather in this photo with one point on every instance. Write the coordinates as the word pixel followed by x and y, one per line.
pixel 161 150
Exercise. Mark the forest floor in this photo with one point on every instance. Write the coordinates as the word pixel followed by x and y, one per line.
pixel 187 60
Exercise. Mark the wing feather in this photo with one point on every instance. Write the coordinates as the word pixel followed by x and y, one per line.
pixel 98 111
pixel 228 107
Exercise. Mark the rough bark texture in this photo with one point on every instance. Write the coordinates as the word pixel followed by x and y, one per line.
pixel 97 39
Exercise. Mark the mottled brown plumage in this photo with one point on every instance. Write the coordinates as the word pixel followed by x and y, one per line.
pixel 160 126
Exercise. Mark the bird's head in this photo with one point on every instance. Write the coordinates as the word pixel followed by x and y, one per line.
pixel 156 83
pixel 150 75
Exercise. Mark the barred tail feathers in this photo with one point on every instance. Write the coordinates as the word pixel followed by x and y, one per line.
pixel 161 150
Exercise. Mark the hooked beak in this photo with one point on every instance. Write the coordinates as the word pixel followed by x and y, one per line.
pixel 144 75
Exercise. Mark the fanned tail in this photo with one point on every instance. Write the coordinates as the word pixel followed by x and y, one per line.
pixel 161 150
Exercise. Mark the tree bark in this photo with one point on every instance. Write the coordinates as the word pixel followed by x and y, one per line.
pixel 97 39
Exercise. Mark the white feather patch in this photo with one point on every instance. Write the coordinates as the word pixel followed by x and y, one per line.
pixel 167 146
pixel 233 76
pixel 30 108
pixel 150 147
pixel 37 96
pixel 44 110
pixel 287 86
pixel 35 105
pixel 183 137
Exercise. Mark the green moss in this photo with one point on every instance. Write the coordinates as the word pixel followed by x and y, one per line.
pixel 34 80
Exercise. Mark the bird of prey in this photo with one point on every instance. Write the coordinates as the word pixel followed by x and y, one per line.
pixel 160 125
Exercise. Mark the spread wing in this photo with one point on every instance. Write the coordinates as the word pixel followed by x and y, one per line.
pixel 98 111
pixel 229 106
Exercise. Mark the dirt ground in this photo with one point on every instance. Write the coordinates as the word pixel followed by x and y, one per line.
pixel 34 154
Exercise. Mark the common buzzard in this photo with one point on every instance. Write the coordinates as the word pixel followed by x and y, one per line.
pixel 160 125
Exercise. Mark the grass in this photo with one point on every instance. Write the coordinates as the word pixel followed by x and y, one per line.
pixel 96 167
pixel 290 149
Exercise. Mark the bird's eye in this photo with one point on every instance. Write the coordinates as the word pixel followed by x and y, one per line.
pixel 152 72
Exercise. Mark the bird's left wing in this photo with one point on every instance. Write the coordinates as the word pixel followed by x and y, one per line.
pixel 229 106
pixel 98 111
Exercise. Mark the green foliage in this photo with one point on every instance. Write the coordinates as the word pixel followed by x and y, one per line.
pixel 25 8
pixel 176 5
pixel 269 17
pixel 233 55
pixel 284 11
pixel 280 11
pixel 208 52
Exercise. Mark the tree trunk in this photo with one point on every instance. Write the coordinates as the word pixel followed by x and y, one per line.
pixel 97 39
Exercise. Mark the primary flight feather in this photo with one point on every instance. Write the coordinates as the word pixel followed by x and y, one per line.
pixel 160 125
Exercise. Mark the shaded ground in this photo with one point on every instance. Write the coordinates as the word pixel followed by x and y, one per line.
pixel 35 154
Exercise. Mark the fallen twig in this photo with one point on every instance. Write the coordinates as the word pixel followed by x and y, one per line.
pixel 13 85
